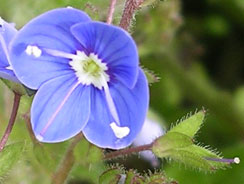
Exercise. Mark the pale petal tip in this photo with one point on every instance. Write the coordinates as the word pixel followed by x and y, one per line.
pixel 120 132
pixel 9 67
pixel 39 137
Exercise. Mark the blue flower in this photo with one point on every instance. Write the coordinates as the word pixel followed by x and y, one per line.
pixel 87 75
pixel 7 32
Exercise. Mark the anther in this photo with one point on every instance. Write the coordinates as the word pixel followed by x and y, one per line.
pixel 119 132
pixel 33 50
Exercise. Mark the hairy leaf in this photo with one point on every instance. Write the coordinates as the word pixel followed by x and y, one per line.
pixel 9 156
pixel 191 125
pixel 111 176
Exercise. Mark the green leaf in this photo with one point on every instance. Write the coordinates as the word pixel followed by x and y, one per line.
pixel 151 76
pixel 172 140
pixel 189 159
pixel 191 125
pixel 111 176
pixel 9 156
pixel 15 87
pixel 177 145
pixel 133 177
pixel 157 178
pixel 195 156
pixel 43 156
pixel 94 154
pixel 86 150
pixel 207 153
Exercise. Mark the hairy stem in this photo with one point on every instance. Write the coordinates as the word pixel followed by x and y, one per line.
pixel 130 7
pixel 127 151
pixel 111 11
pixel 9 128
pixel 26 117
pixel 67 163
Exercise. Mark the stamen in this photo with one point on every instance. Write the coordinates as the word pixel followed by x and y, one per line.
pixel 62 54
pixel 50 121
pixel 110 101
pixel 70 7
pixel 33 50
pixel 236 160
pixel 119 132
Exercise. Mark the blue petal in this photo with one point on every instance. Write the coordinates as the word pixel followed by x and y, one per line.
pixel 60 109
pixel 50 30
pixel 132 106
pixel 113 45
pixel 7 32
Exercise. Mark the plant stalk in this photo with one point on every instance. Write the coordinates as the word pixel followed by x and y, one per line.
pixel 62 173
pixel 12 119
pixel 111 11
pixel 127 151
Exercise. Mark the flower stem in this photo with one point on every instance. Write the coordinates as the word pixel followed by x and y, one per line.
pixel 111 11
pixel 67 163
pixel 127 151
pixel 9 128
pixel 26 117
pixel 130 7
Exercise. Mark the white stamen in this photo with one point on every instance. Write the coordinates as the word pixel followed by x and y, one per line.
pixel 237 160
pixel 9 67
pixel 63 54
pixel 70 7
pixel 119 132
pixel 39 137
pixel 110 102
pixel 1 21
pixel 33 50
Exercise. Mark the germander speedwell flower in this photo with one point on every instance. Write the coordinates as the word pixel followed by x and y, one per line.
pixel 87 75
pixel 7 32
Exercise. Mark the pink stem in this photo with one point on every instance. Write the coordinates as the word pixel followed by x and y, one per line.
pixel 11 121
pixel 111 11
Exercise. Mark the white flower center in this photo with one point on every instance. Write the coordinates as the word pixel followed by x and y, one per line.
pixel 90 70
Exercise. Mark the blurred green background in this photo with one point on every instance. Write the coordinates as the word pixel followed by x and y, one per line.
pixel 197 50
